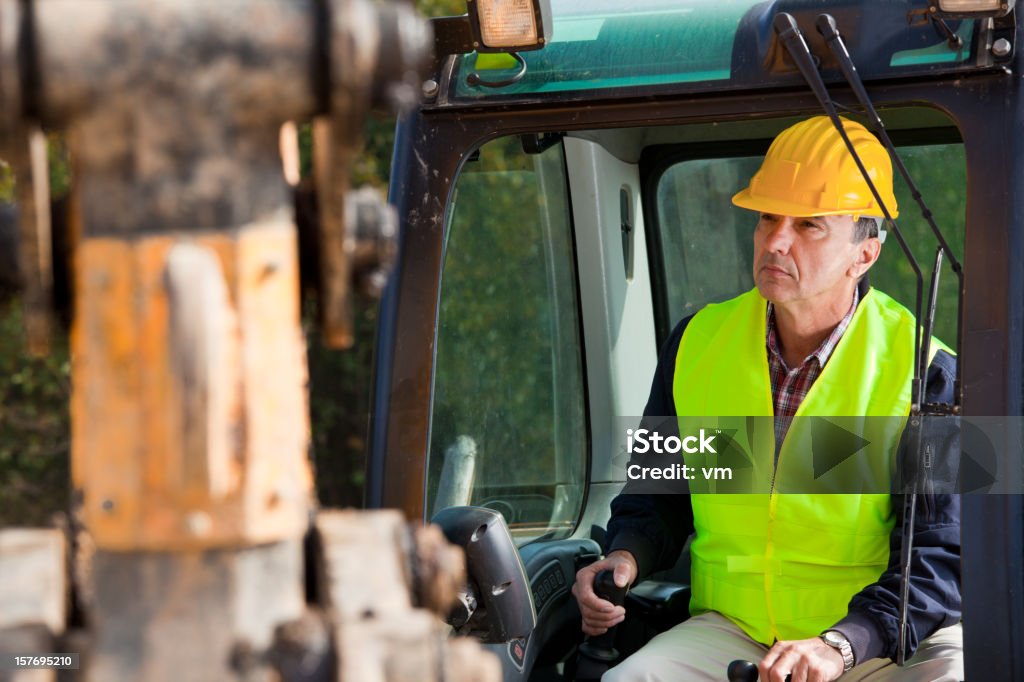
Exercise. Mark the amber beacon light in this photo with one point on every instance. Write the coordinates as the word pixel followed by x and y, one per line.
pixel 509 25
pixel 971 8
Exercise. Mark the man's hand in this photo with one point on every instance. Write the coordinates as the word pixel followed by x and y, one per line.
pixel 599 614
pixel 806 660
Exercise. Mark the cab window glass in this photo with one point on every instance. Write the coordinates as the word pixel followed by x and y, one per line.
pixel 705 239
pixel 707 243
pixel 508 427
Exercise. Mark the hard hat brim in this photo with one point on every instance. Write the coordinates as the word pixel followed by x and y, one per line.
pixel 761 204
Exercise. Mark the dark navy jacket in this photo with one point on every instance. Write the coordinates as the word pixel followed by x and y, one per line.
pixel 654 529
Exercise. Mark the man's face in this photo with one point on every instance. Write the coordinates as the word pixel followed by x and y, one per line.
pixel 806 259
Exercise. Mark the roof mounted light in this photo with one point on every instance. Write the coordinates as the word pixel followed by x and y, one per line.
pixel 971 8
pixel 509 25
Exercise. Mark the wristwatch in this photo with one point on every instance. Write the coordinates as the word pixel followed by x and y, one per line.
pixel 838 641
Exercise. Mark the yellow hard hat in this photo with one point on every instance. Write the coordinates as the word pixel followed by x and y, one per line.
pixel 808 171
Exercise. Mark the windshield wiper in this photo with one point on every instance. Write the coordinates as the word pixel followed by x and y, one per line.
pixel 826 26
pixel 790 35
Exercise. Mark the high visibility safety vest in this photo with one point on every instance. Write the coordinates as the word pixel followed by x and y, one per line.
pixel 785 565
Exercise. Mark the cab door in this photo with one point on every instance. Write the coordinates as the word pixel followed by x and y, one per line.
pixel 509 427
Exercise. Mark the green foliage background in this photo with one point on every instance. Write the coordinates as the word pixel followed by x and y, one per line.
pixel 34 428
pixel 941 175
pixel 34 398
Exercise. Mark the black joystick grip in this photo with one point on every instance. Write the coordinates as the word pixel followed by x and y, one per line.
pixel 605 588
pixel 598 653
pixel 742 671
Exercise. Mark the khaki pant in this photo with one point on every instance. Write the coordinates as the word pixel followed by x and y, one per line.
pixel 702 647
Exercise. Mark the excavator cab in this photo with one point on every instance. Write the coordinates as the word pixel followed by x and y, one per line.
pixel 563 208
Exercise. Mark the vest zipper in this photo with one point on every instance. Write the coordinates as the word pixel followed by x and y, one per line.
pixel 768 573
pixel 773 502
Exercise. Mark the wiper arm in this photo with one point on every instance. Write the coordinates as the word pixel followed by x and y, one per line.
pixel 827 28
pixel 790 35
pixel 921 481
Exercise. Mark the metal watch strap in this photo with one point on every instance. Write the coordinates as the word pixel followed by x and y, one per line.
pixel 842 646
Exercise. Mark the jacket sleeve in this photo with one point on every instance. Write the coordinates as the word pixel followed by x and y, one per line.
pixel 654 527
pixel 872 621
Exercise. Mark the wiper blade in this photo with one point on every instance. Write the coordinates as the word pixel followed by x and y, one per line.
pixel 826 26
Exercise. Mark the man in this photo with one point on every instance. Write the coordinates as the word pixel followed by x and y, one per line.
pixel 803 585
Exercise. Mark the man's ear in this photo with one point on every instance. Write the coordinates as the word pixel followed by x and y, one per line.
pixel 867 253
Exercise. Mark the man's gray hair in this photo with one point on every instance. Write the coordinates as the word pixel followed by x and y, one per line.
pixel 867 226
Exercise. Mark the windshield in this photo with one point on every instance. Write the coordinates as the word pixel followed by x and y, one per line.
pixel 717 44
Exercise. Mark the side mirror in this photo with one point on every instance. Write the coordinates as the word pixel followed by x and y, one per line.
pixel 497 605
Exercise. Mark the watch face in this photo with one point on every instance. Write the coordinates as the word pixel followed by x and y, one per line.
pixel 833 637
pixel 838 641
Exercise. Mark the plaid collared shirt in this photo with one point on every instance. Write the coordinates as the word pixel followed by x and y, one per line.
pixel 790 386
